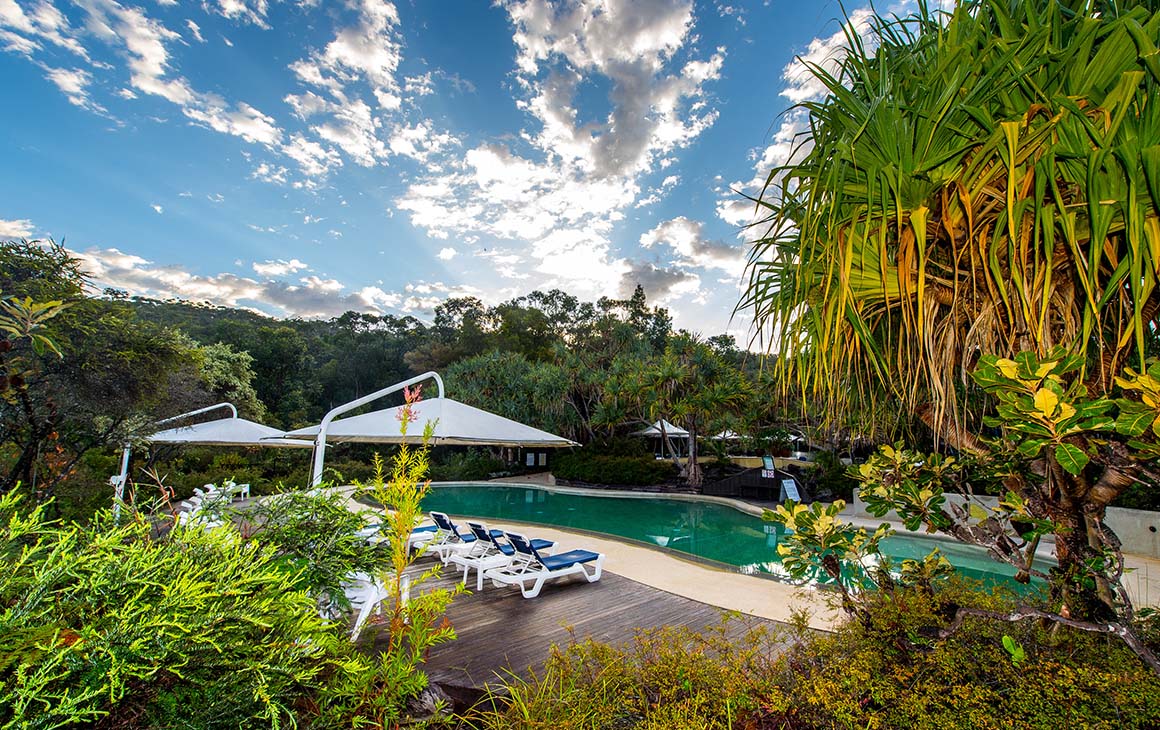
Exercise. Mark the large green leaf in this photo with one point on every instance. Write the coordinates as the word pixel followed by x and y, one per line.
pixel 1071 458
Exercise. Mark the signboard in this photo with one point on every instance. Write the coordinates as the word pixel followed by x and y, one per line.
pixel 789 490
pixel 769 473
pixel 767 462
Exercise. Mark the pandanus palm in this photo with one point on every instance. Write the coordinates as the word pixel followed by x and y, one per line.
pixel 984 182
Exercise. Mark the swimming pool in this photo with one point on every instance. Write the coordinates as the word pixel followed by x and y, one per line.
pixel 703 529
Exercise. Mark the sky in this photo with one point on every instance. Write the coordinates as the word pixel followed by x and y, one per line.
pixel 302 158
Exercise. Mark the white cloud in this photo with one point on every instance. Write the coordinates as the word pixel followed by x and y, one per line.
pixel 14 229
pixel 270 173
pixel 566 183
pixel 369 52
pixel 143 43
pixel 23 31
pixel 662 285
pixel 686 239
pixel 311 297
pixel 446 254
pixel 248 11
pixel 195 29
pixel 278 267
pixel 73 83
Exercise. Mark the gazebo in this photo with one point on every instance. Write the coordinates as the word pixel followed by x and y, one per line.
pixel 665 431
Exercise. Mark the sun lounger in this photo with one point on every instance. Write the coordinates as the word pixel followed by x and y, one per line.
pixel 450 540
pixel 492 554
pixel 366 594
pixel 419 536
pixel 536 568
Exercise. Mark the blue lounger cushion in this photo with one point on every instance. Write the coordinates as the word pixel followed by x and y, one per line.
pixel 563 560
pixel 537 544
pixel 426 528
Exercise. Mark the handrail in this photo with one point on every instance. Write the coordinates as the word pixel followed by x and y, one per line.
pixel 320 440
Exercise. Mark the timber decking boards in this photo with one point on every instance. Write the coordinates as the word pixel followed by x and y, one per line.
pixel 499 630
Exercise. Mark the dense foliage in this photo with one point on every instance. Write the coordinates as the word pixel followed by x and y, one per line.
pixel 106 624
pixel 105 373
pixel 982 195
pixel 861 676
pixel 613 469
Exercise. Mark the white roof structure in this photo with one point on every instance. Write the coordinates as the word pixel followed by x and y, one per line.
pixel 655 430
pixel 728 435
pixel 456 424
pixel 226 432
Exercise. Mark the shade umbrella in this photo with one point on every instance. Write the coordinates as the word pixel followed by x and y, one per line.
pixel 655 430
pixel 231 431
pixel 728 435
pixel 226 432
pixel 455 424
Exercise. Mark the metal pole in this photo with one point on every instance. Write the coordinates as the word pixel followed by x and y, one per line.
pixel 320 440
pixel 119 487
pixel 199 411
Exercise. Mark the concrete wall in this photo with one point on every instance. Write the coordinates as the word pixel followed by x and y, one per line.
pixel 1138 530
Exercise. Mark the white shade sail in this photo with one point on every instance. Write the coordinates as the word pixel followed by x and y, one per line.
pixel 728 436
pixel 655 430
pixel 457 424
pixel 226 432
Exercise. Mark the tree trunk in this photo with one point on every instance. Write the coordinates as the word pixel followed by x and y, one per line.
pixel 693 474
pixel 1081 541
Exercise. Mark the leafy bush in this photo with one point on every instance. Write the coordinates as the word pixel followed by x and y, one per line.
pixel 671 677
pixel 467 466
pixel 583 466
pixel 315 534
pixel 828 478
pixel 103 623
pixel 374 695
pixel 890 672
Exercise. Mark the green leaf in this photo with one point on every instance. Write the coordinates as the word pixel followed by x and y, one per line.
pixel 977 512
pixel 1031 447
pixel 1071 458
pixel 1134 422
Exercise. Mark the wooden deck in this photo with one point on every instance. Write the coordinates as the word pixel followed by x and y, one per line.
pixel 499 631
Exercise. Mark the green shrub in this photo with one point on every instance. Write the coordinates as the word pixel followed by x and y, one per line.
pixel 887 675
pixel 467 466
pixel 103 623
pixel 890 672
pixel 828 478
pixel 594 468
pixel 670 677
pixel 315 534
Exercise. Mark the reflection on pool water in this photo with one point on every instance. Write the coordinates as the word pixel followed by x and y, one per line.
pixel 707 530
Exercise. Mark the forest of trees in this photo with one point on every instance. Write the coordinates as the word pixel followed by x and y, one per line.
pixel 590 371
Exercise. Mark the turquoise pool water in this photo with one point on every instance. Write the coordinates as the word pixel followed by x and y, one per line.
pixel 706 530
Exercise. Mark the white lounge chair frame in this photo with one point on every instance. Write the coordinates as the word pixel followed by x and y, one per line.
pixel 534 572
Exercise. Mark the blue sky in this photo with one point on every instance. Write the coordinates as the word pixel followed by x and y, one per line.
pixel 305 158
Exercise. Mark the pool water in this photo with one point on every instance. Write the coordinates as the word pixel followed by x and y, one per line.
pixel 705 530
